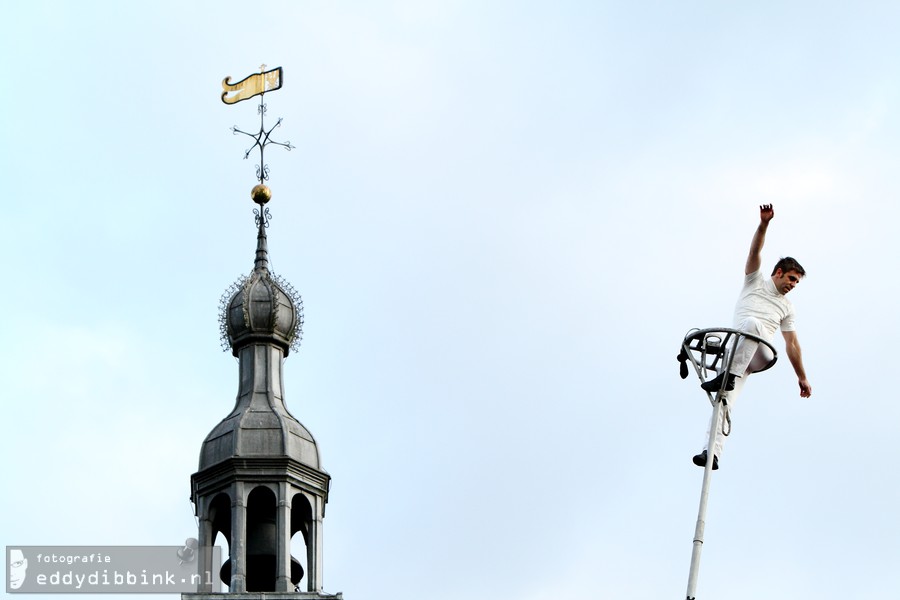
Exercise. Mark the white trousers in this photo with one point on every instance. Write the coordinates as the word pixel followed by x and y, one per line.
pixel 749 357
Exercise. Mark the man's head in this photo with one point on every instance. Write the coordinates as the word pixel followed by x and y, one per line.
pixel 787 274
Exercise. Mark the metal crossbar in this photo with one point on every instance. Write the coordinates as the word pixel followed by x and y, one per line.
pixel 712 350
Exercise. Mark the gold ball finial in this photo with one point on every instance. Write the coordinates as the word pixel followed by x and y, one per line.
pixel 261 194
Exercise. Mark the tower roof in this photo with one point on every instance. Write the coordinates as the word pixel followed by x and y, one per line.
pixel 260 426
pixel 261 320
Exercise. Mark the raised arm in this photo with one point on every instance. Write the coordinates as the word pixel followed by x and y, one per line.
pixel 754 259
pixel 792 347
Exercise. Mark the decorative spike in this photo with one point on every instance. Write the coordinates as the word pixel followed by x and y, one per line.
pixel 261 263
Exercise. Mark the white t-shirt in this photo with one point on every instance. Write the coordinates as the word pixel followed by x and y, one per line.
pixel 761 300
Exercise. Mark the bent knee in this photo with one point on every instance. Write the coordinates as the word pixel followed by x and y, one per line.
pixel 761 359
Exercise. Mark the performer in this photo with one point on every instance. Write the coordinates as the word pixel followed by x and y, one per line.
pixel 761 310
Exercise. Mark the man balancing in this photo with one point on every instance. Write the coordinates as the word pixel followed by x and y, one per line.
pixel 761 309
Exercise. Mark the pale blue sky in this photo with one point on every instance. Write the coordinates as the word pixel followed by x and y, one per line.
pixel 502 217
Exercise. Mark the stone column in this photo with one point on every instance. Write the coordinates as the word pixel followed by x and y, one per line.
pixel 314 547
pixel 238 540
pixel 205 552
pixel 283 542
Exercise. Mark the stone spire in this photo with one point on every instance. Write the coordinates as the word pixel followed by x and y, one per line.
pixel 260 480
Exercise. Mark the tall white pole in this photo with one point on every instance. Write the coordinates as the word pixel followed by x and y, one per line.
pixel 704 498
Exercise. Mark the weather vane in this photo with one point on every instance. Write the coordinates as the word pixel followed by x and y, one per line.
pixel 256 85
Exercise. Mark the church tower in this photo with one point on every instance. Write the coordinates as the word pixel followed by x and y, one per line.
pixel 260 480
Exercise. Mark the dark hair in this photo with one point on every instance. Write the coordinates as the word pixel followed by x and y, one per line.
pixel 789 264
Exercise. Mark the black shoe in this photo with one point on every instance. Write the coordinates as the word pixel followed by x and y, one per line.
pixel 700 461
pixel 683 369
pixel 714 385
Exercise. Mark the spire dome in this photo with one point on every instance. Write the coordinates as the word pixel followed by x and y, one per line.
pixel 261 307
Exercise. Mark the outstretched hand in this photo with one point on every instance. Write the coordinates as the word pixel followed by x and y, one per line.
pixel 766 213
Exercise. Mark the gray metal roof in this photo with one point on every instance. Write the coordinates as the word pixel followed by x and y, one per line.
pixel 261 321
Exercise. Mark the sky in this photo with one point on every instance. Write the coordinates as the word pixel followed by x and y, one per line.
pixel 503 217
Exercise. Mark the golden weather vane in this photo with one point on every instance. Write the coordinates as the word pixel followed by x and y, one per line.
pixel 256 85
pixel 246 88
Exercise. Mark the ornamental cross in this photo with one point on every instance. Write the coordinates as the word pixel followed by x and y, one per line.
pixel 256 85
